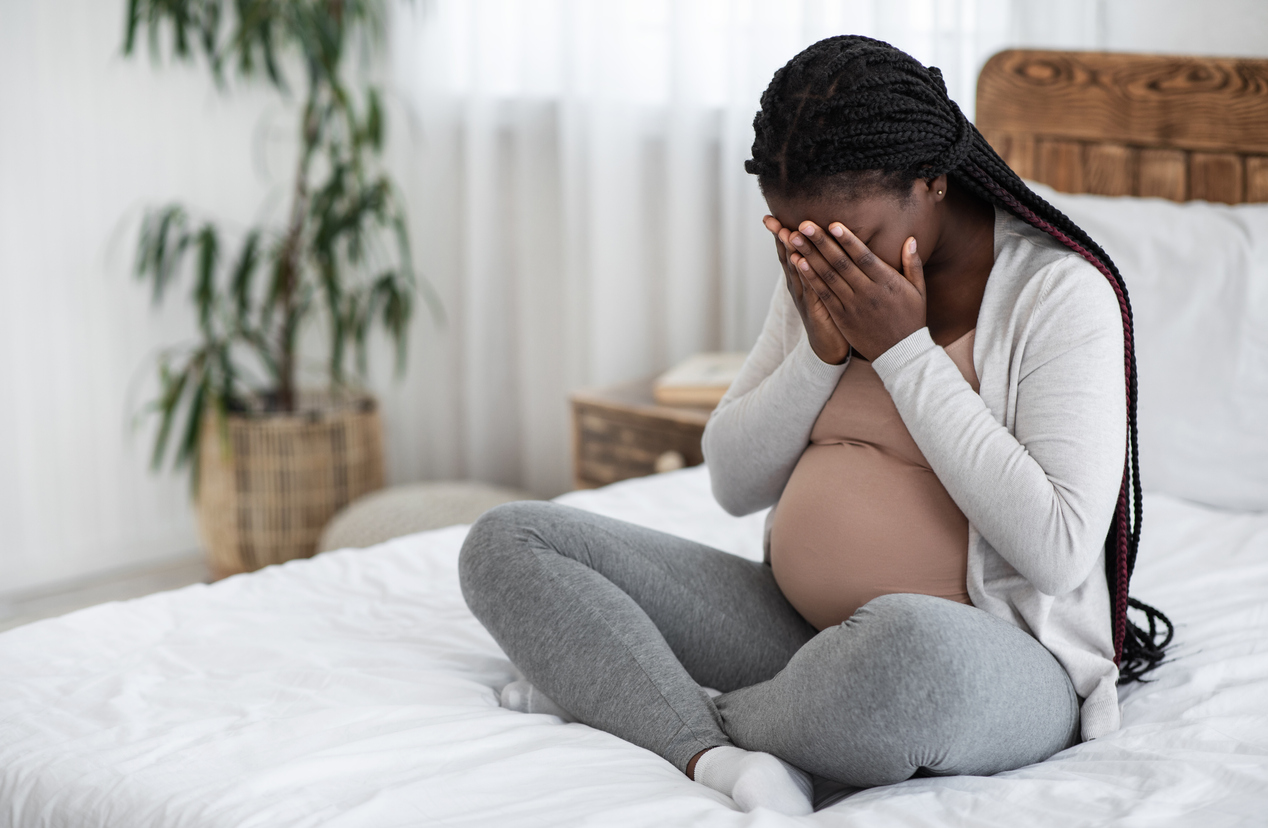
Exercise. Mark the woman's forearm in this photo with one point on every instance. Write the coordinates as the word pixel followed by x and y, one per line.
pixel 1044 498
pixel 759 430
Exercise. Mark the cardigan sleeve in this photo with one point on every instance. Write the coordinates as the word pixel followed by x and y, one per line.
pixel 756 435
pixel 1042 495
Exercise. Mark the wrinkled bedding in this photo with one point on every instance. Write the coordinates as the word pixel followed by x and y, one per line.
pixel 355 689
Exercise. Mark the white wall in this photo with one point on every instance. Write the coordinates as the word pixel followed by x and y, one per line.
pixel 1195 27
pixel 87 139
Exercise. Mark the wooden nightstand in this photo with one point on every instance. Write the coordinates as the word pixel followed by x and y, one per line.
pixel 620 432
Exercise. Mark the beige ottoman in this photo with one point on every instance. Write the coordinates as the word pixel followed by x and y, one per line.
pixel 403 510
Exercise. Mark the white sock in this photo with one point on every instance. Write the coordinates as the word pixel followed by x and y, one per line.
pixel 525 698
pixel 756 780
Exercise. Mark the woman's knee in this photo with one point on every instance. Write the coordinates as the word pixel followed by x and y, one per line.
pixel 498 540
pixel 922 682
pixel 919 647
pixel 922 628
pixel 985 677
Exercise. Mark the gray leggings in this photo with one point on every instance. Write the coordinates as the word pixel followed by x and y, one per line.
pixel 622 626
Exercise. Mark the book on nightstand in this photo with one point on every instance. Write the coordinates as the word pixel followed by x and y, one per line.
pixel 698 381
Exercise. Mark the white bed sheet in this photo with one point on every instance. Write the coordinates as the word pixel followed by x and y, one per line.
pixel 355 689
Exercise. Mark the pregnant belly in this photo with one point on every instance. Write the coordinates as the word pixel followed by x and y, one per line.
pixel 855 523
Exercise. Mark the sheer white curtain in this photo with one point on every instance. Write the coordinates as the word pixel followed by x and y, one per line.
pixel 577 175
pixel 574 172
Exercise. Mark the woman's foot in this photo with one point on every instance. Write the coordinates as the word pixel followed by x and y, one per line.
pixel 523 697
pixel 755 780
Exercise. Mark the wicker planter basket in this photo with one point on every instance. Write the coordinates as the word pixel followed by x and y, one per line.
pixel 265 496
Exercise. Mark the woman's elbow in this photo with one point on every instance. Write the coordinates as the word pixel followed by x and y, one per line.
pixel 1067 568
pixel 729 496
pixel 1075 540
pixel 724 480
pixel 1057 581
pixel 743 481
pixel 734 490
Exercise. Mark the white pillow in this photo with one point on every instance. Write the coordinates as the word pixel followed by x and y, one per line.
pixel 1197 276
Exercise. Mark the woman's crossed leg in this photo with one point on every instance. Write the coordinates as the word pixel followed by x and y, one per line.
pixel 622 625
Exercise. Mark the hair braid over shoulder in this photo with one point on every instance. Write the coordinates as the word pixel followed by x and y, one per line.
pixel 854 104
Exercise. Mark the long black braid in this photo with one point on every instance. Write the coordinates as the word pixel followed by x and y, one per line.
pixel 849 105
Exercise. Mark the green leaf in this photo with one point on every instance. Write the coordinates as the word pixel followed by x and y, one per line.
pixel 395 306
pixel 277 282
pixel 180 20
pixel 172 389
pixel 243 273
pixel 161 248
pixel 332 292
pixel 187 450
pixel 210 30
pixel 205 285
pixel 374 121
pixel 152 24
pixel 270 56
pixel 430 296
pixel 132 21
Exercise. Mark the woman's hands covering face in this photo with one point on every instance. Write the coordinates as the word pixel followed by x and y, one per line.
pixel 836 282
pixel 829 344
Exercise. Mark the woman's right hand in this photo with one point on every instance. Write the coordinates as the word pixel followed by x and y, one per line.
pixel 826 339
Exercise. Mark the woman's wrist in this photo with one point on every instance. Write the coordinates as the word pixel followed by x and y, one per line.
pixel 903 352
pixel 815 368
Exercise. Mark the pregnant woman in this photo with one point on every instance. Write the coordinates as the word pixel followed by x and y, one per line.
pixel 941 409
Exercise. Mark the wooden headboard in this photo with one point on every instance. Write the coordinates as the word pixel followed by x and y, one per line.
pixel 1121 124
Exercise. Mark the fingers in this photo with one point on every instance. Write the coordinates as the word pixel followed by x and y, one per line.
pixel 913 266
pixel 841 286
pixel 827 295
pixel 791 280
pixel 830 290
pixel 821 247
pixel 809 300
pixel 868 263
pixel 829 285
pixel 777 230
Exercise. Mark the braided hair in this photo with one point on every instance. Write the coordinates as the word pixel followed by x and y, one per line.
pixel 851 111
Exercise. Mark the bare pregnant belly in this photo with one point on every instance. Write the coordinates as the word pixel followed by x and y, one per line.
pixel 856 522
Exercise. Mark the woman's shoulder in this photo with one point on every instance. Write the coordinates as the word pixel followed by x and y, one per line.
pixel 1030 249
pixel 1042 271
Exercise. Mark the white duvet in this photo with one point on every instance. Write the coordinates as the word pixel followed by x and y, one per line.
pixel 355 689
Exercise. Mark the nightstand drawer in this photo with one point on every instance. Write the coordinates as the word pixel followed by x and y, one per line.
pixel 619 433
pixel 614 446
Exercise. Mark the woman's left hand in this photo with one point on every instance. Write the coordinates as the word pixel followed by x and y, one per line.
pixel 873 305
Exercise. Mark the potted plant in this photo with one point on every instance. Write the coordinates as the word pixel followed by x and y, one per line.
pixel 270 463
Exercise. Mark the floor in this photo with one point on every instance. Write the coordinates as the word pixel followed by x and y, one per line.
pixel 23 608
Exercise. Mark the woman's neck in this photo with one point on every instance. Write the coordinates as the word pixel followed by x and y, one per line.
pixel 956 273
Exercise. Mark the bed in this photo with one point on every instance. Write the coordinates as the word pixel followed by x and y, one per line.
pixel 355 689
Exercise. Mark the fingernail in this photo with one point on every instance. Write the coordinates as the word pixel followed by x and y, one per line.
pixel 838 230
pixel 797 240
pixel 911 245
pixel 805 265
pixel 809 229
